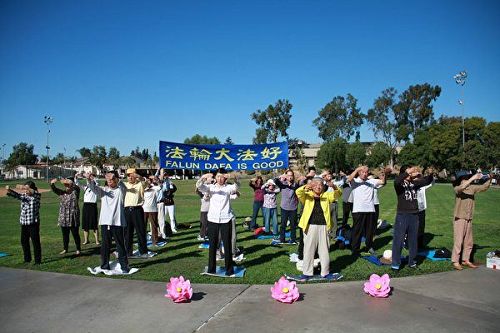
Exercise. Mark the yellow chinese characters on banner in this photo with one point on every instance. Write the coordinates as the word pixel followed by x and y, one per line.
pixel 231 157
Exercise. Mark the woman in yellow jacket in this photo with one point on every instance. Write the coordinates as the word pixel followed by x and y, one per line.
pixel 316 222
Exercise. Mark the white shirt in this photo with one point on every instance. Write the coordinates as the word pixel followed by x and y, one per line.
pixel 220 207
pixel 88 195
pixel 421 199
pixel 112 199
pixel 150 194
pixel 205 202
pixel 363 197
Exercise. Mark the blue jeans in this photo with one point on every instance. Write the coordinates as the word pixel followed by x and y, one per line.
pixel 285 216
pixel 406 223
pixel 256 206
pixel 271 215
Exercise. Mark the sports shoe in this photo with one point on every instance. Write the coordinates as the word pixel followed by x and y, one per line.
pixel 304 277
pixel 413 266
pixel 199 238
pixel 395 268
pixel 371 251
pixel 332 276
pixel 292 242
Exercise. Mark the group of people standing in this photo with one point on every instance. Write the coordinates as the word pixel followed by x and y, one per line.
pixel 126 207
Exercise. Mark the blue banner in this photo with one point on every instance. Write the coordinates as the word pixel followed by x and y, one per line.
pixel 231 157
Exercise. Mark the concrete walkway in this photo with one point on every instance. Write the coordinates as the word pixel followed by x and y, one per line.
pixel 33 301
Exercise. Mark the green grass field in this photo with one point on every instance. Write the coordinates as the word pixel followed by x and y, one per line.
pixel 264 263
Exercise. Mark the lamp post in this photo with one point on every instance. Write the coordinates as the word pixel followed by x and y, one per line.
pixel 460 80
pixel 64 162
pixel 47 120
pixel 3 152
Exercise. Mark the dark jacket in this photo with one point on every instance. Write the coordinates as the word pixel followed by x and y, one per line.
pixel 407 192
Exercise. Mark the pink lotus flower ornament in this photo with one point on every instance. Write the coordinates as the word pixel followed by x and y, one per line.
pixel 179 290
pixel 378 286
pixel 285 291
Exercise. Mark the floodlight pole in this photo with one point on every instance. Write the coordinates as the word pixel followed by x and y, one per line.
pixel 3 152
pixel 47 120
pixel 460 79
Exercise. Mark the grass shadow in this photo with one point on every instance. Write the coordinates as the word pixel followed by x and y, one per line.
pixel 143 263
pixel 476 247
pixel 380 242
pixel 264 258
pixel 343 262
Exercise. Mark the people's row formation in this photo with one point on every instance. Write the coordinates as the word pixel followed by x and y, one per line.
pixel 318 196
pixel 125 206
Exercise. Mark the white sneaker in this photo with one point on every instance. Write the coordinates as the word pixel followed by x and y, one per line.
pixel 199 238
pixel 174 231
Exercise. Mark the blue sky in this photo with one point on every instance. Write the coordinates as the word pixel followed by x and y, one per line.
pixel 131 73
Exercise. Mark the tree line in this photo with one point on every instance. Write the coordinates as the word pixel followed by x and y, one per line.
pixel 404 126
pixel 23 154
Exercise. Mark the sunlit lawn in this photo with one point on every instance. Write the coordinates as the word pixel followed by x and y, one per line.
pixel 264 263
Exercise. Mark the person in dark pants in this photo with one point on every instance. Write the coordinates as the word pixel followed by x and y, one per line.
pixel 363 207
pixel 29 219
pixel 406 186
pixel 258 200
pixel 111 219
pixel 134 214
pixel 289 203
pixel 346 203
pixel 220 216
pixel 69 212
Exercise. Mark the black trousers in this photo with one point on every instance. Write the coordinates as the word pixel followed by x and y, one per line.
pixel 362 225
pixel 109 233
pixel 421 229
pixel 135 221
pixel 346 210
pixel 31 231
pixel 375 220
pixel 225 231
pixel 288 215
pixel 76 236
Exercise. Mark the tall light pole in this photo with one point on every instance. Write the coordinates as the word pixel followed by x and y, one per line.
pixel 460 80
pixel 47 120
pixel 64 162
pixel 3 152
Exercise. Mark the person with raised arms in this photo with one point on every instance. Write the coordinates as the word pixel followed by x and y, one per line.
pixel 406 185
pixel 220 215
pixel 465 188
pixel 316 222
pixel 134 214
pixel 111 218
pixel 363 207
pixel 29 219
pixel 69 212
